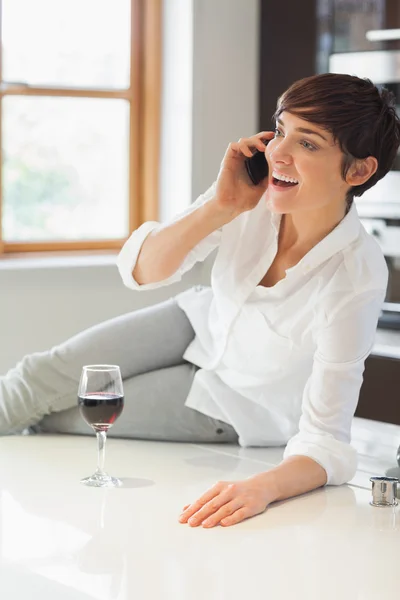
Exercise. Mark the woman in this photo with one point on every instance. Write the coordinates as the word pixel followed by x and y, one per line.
pixel 273 352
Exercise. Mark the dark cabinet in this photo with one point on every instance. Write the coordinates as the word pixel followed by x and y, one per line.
pixel 380 389
pixel 356 26
pixel 288 37
pixel 364 24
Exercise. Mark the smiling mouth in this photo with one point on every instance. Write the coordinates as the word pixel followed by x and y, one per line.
pixel 280 183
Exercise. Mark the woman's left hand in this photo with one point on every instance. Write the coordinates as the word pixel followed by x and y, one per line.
pixel 229 502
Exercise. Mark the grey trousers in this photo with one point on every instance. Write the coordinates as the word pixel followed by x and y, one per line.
pixel 148 345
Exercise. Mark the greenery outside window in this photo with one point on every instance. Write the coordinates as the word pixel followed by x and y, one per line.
pixel 79 120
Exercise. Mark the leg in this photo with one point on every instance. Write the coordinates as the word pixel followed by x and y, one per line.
pixel 144 340
pixel 154 410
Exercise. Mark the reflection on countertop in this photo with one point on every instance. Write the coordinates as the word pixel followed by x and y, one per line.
pixel 61 540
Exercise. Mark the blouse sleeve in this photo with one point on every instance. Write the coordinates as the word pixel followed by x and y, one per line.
pixel 130 251
pixel 331 394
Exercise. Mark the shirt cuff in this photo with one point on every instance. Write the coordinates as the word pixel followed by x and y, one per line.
pixel 339 459
pixel 127 258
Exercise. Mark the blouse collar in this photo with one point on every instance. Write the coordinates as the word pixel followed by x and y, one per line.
pixel 338 239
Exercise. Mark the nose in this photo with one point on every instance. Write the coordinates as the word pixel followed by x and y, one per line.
pixel 280 152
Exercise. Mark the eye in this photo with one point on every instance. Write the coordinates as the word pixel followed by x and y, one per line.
pixel 277 132
pixel 308 146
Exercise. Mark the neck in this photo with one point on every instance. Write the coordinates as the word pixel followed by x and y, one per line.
pixel 300 231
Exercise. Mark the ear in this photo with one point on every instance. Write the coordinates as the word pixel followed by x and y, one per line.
pixel 361 170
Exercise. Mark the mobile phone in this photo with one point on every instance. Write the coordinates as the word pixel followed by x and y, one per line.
pixel 257 166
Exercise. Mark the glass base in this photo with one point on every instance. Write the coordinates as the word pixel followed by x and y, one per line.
pixel 101 480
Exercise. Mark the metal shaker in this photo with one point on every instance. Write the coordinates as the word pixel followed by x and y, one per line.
pixel 384 491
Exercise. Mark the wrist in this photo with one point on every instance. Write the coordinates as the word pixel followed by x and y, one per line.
pixel 268 482
pixel 219 216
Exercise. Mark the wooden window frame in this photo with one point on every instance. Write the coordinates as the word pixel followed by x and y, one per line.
pixel 144 96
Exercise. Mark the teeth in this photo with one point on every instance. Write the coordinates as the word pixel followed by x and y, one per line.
pixel 283 177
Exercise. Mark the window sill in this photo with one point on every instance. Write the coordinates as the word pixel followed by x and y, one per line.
pixel 51 260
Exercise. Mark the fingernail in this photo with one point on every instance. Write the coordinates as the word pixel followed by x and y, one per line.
pixel 192 520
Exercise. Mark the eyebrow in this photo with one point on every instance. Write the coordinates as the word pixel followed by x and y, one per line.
pixel 305 130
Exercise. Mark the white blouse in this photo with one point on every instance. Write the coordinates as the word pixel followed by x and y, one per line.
pixel 282 365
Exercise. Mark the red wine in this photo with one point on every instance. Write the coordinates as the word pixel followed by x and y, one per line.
pixel 100 410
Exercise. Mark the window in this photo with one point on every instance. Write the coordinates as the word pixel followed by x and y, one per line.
pixel 80 91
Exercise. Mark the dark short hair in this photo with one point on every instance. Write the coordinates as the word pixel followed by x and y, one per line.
pixel 361 118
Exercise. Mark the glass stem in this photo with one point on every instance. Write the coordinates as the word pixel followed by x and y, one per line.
pixel 101 451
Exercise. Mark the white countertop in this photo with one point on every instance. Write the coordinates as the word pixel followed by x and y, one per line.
pixel 60 540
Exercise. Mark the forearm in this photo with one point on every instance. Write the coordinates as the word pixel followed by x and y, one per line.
pixel 164 250
pixel 294 476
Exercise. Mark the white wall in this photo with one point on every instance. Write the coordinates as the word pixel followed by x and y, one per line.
pixel 41 307
pixel 43 303
pixel 177 108
pixel 225 82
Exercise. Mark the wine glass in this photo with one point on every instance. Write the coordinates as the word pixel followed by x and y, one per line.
pixel 101 400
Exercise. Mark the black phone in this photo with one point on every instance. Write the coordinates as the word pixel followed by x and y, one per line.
pixel 257 167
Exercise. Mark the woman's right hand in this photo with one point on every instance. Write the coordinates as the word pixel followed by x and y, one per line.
pixel 235 193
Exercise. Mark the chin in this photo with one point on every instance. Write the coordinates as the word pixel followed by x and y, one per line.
pixel 276 207
pixel 278 204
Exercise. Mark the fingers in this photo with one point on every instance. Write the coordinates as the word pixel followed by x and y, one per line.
pixel 226 511
pixel 237 516
pixel 266 135
pixel 227 503
pixel 212 494
pixel 248 146
pixel 213 506
pixel 228 514
pixel 213 509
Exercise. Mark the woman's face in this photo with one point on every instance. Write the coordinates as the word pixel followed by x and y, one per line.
pixel 308 155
